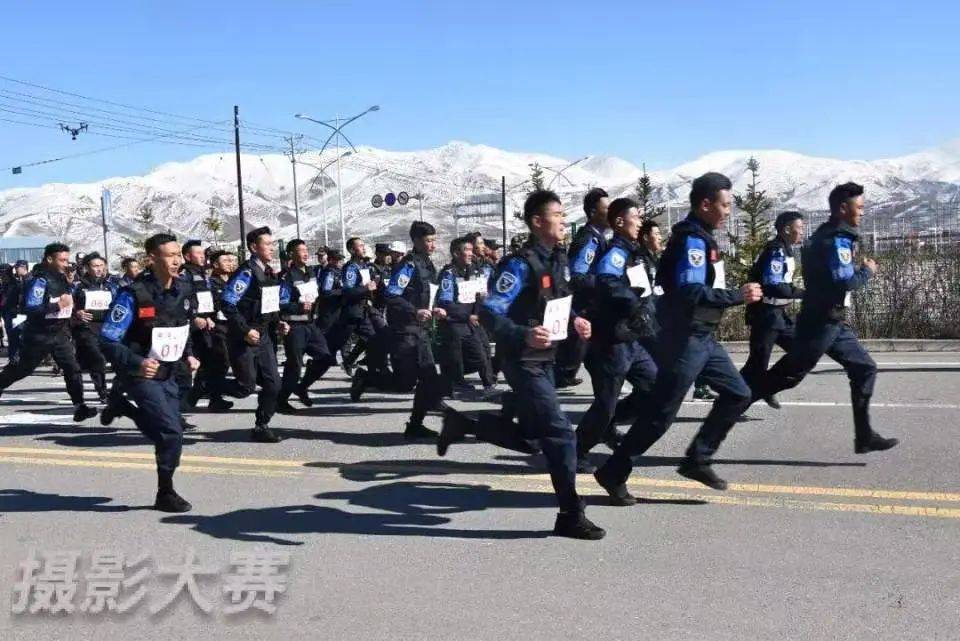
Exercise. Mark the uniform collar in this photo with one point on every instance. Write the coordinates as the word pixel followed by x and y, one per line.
pixel 845 228
pixel 622 241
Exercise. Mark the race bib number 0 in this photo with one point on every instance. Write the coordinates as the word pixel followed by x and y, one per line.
pixel 62 312
pixel 167 343
pixel 97 301
pixel 270 299
pixel 638 278
pixel 308 291
pixel 204 303
pixel 719 275
pixel 556 317
pixel 467 290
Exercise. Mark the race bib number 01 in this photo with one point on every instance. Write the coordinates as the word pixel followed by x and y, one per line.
pixel 270 299
pixel 62 312
pixel 719 275
pixel 556 317
pixel 167 343
pixel 638 278
pixel 97 301
pixel 204 303
pixel 308 291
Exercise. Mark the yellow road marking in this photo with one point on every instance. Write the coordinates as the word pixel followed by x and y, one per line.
pixel 236 466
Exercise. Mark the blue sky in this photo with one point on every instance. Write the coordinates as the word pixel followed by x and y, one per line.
pixel 652 82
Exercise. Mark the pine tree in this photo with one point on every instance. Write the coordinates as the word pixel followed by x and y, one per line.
pixel 536 177
pixel 214 225
pixel 643 194
pixel 143 219
pixel 748 245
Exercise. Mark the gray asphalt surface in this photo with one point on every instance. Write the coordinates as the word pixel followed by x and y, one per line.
pixel 387 541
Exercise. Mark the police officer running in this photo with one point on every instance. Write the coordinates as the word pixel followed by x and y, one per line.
pixel 92 295
pixel 689 312
pixel 529 288
pixel 623 318
pixel 769 322
pixel 48 306
pixel 251 304
pixel 830 277
pixel 145 335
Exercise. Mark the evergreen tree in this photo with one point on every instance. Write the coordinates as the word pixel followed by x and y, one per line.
pixel 143 219
pixel 214 225
pixel 536 177
pixel 751 228
pixel 643 194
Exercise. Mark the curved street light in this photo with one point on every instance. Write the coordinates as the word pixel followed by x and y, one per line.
pixel 336 126
pixel 323 199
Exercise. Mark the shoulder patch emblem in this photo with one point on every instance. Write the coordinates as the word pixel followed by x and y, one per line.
pixel 589 255
pixel 118 314
pixel 403 280
pixel 776 267
pixel 618 260
pixel 696 257
pixel 845 255
pixel 506 282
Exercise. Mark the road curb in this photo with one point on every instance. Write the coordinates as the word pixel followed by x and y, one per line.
pixel 877 345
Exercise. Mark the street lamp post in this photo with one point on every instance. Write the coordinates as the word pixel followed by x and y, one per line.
pixel 337 131
pixel 323 194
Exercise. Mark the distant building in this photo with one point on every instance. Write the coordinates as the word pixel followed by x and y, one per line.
pixel 28 248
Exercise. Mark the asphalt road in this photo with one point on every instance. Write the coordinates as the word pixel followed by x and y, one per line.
pixel 387 541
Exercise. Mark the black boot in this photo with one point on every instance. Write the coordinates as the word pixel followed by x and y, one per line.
pixel 167 499
pixel 418 430
pixel 219 404
pixel 263 434
pixel 83 412
pixel 576 525
pixel 358 385
pixel 455 427
pixel 875 443
pixel 702 473
pixel 619 495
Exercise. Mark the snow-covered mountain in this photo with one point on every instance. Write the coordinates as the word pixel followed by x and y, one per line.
pixel 182 195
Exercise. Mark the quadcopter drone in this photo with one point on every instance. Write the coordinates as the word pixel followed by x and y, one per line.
pixel 74 131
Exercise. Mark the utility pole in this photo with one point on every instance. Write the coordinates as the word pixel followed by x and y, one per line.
pixel 503 210
pixel 420 199
pixel 293 164
pixel 236 141
pixel 104 215
pixel 343 227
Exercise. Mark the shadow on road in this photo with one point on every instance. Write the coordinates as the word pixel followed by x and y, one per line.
pixel 14 500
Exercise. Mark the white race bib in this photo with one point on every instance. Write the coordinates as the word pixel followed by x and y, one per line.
pixel 167 343
pixel 791 265
pixel 433 294
pixel 364 275
pixel 848 299
pixel 270 299
pixel 18 320
pixel 221 317
pixel 556 317
pixel 467 290
pixel 204 303
pixel 62 312
pixel 308 291
pixel 97 300
pixel 638 278
pixel 719 275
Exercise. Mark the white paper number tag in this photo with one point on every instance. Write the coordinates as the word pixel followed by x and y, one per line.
pixel 308 291
pixel 62 312
pixel 638 278
pixel 19 319
pixel 467 290
pixel 167 343
pixel 270 299
pixel 97 300
pixel 364 275
pixel 556 317
pixel 847 299
pixel 719 275
pixel 433 294
pixel 789 269
pixel 204 303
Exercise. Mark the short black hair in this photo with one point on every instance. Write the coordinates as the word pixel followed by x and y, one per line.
pixel 322 250
pixel 591 198
pixel 293 244
pixel 536 202
pixel 457 243
pixel 350 242
pixel 127 261
pixel 785 219
pixel 190 244
pixel 648 226
pixel 419 229
pixel 707 187
pixel 254 235
pixel 156 240
pixel 89 258
pixel 473 236
pixel 54 248
pixel 619 207
pixel 841 194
